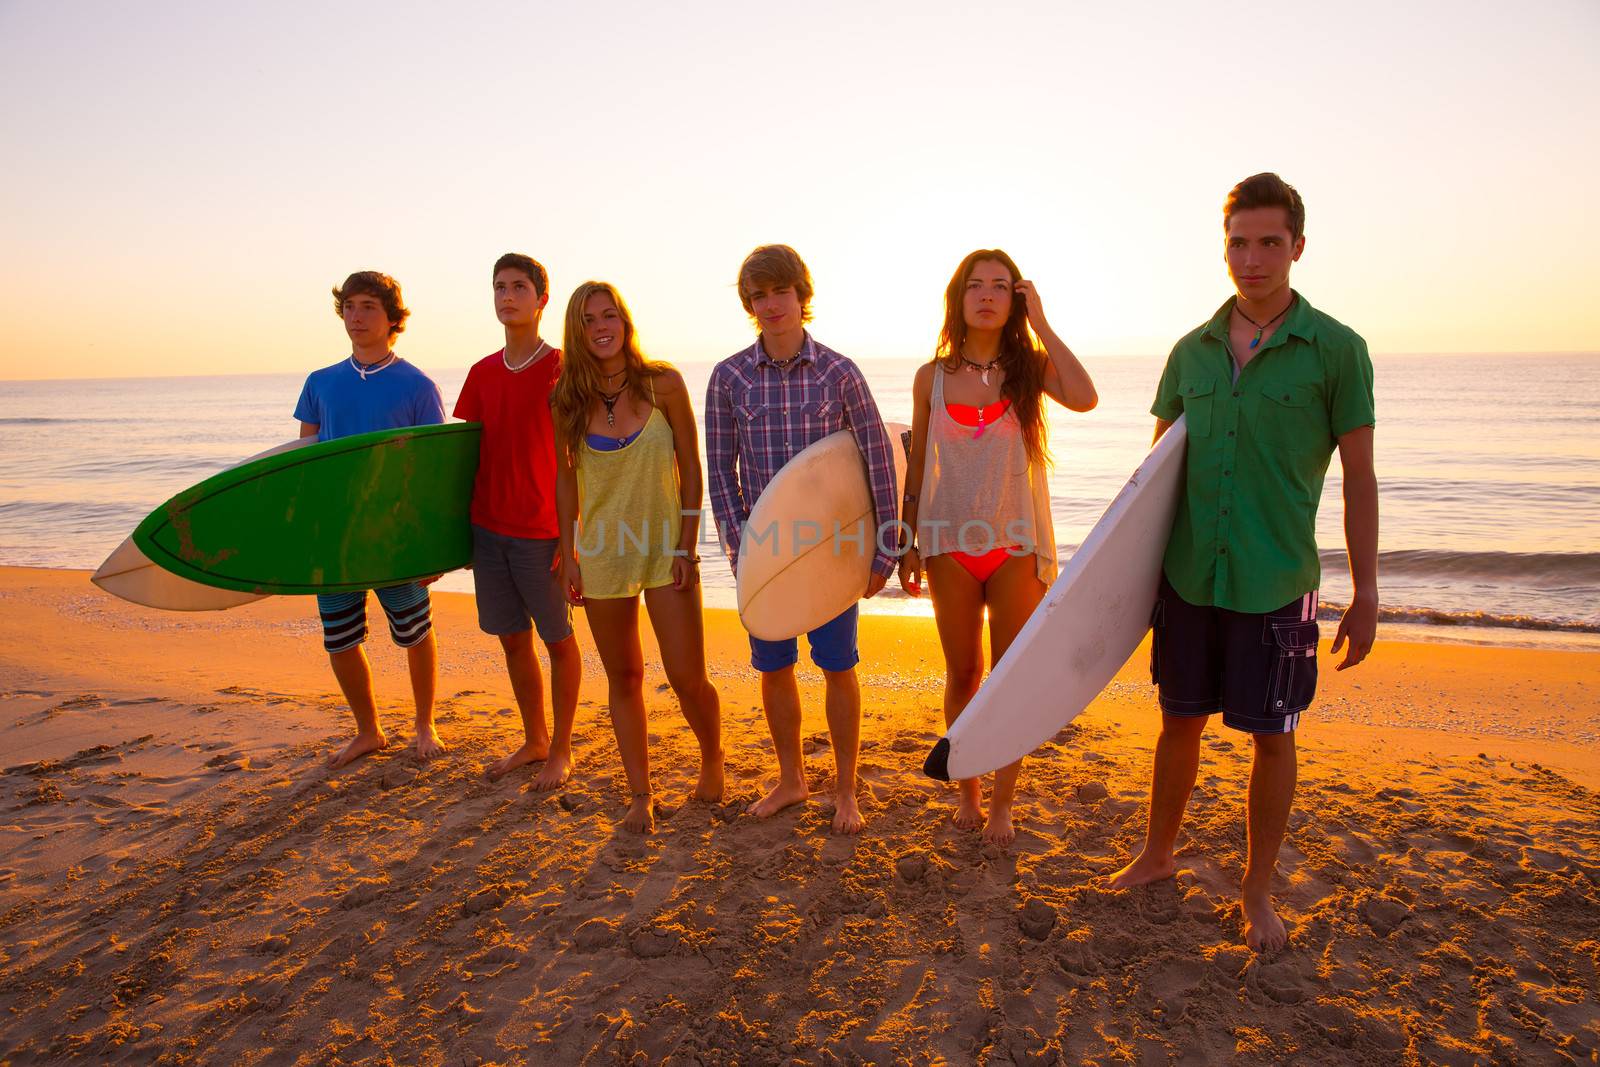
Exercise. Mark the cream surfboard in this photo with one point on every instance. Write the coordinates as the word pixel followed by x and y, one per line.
pixel 807 550
pixel 1089 623
pixel 131 575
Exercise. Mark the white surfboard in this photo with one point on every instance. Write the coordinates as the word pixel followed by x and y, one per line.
pixel 807 551
pixel 131 575
pixel 1089 623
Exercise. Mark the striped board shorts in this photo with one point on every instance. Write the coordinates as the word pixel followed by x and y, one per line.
pixel 1259 670
pixel 344 616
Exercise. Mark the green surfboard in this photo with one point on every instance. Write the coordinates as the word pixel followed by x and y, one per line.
pixel 361 512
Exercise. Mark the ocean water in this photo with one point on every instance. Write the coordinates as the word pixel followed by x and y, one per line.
pixel 1488 467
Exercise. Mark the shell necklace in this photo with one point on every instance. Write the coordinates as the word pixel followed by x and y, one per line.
pixel 365 369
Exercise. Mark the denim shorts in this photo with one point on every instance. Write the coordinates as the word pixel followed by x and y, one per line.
pixel 344 616
pixel 1259 670
pixel 833 646
pixel 515 587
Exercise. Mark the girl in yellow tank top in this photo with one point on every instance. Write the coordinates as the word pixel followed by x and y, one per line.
pixel 628 492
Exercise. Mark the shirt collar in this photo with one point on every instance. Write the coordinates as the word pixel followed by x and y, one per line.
pixel 1300 322
pixel 807 353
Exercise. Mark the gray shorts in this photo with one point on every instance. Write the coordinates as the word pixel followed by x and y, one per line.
pixel 516 588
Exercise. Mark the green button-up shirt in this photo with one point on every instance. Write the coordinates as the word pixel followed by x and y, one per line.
pixel 1245 534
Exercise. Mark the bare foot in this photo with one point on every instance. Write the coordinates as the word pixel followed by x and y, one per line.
pixel 428 743
pixel 846 815
pixel 528 753
pixel 1263 930
pixel 362 744
pixel 999 830
pixel 641 817
pixel 709 787
pixel 969 810
pixel 1144 869
pixel 782 796
pixel 557 768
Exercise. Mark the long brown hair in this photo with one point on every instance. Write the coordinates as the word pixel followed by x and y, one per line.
pixel 578 389
pixel 1021 357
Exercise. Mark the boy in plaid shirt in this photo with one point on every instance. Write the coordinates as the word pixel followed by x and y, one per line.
pixel 764 405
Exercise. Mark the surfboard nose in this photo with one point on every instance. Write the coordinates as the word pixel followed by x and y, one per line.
pixel 937 765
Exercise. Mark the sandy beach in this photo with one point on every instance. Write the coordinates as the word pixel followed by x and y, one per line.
pixel 183 881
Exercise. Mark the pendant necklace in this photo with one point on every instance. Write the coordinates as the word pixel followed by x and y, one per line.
pixel 1261 325
pixel 980 369
pixel 981 427
pixel 525 364
pixel 610 401
pixel 365 369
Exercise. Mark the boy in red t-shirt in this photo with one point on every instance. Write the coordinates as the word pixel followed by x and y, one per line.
pixel 515 534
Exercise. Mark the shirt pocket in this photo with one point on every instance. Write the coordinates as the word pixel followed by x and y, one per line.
pixel 1287 417
pixel 1198 395
pixel 827 413
pixel 752 415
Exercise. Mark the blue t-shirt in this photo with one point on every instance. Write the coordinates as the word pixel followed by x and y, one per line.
pixel 339 402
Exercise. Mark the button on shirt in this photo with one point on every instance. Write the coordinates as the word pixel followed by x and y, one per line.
pixel 760 415
pixel 1259 446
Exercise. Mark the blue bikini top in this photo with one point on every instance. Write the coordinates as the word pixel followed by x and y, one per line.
pixel 602 443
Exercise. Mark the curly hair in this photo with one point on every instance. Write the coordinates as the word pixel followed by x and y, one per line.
pixel 379 286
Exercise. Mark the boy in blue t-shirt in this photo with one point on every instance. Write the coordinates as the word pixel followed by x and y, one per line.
pixel 374 389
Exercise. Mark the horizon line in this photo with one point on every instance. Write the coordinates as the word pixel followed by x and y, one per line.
pixel 1519 353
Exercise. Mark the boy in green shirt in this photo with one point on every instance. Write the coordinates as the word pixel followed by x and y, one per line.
pixel 1268 388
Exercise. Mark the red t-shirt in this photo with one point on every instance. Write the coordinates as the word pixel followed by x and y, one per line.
pixel 515 491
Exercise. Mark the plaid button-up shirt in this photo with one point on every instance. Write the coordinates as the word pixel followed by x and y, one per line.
pixel 760 415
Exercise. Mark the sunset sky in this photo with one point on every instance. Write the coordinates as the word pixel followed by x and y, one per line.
pixel 183 182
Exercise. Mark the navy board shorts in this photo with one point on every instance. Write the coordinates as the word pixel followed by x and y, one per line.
pixel 833 646
pixel 1259 670
pixel 344 616
pixel 515 587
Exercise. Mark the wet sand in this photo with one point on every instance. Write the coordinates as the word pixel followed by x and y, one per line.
pixel 183 881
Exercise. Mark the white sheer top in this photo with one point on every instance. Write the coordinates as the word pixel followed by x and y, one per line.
pixel 979 492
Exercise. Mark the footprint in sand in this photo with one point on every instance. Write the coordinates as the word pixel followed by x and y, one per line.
pixel 1384 914
pixel 653 942
pixel 1036 919
pixel 595 934
pixel 1281 981
pixel 1175 981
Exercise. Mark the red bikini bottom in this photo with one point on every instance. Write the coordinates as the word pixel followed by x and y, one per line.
pixel 982 565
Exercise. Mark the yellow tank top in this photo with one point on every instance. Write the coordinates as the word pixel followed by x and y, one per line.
pixel 629 516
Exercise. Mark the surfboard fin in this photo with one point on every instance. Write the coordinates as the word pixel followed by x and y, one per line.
pixel 937 765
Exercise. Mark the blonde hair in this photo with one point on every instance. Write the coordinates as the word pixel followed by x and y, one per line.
pixel 577 390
